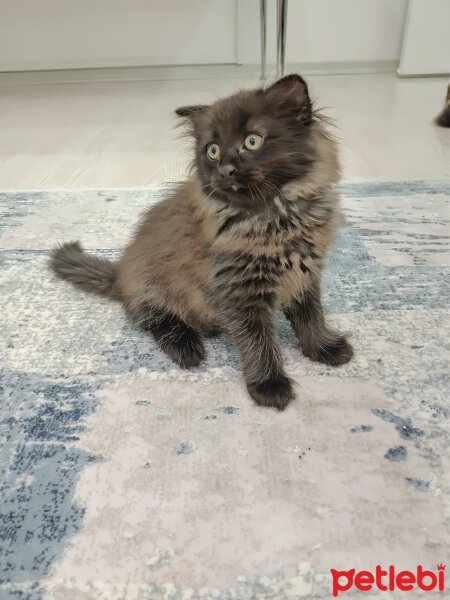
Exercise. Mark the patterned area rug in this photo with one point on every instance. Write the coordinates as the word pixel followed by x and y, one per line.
pixel 126 478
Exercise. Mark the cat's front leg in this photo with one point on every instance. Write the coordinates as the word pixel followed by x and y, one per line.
pixel 253 330
pixel 318 341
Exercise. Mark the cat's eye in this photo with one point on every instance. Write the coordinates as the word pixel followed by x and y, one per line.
pixel 213 151
pixel 254 141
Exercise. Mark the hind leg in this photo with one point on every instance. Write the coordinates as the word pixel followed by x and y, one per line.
pixel 181 342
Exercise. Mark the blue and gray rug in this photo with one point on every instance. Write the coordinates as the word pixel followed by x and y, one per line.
pixel 126 478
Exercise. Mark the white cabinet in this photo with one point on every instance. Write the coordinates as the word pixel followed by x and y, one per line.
pixel 426 42
pixel 65 34
pixel 59 34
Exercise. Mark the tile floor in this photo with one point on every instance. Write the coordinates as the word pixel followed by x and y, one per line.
pixel 89 135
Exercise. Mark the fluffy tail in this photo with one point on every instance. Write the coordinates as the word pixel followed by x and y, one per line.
pixel 90 273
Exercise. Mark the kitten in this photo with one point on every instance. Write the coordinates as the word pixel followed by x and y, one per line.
pixel 443 118
pixel 244 237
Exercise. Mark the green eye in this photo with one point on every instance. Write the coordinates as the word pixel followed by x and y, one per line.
pixel 253 141
pixel 213 151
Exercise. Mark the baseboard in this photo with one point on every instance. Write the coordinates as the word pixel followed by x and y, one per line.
pixel 151 73
pixel 372 67
pixel 406 75
pixel 186 72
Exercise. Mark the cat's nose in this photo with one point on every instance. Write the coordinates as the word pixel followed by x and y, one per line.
pixel 227 170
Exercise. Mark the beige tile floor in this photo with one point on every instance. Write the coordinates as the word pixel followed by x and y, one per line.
pixel 89 135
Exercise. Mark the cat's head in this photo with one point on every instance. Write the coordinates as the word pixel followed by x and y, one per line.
pixel 251 144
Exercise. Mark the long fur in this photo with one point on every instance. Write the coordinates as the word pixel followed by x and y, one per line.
pixel 92 274
pixel 218 257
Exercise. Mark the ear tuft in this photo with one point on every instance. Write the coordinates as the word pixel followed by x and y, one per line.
pixel 290 98
pixel 191 111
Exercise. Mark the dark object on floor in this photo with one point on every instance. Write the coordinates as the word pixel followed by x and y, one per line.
pixel 443 118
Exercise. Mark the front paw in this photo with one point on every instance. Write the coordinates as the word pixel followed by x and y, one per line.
pixel 187 355
pixel 335 353
pixel 275 392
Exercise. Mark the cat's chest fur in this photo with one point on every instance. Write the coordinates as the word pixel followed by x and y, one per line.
pixel 275 255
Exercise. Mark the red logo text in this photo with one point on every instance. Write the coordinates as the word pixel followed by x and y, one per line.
pixel 388 580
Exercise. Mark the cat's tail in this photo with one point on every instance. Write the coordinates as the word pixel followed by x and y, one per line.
pixel 90 273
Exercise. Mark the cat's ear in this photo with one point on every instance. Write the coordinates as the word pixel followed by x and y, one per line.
pixel 290 98
pixel 191 111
